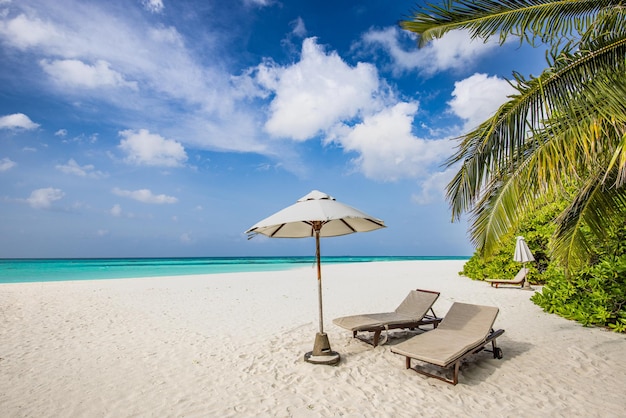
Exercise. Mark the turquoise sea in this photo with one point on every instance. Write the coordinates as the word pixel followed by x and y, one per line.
pixel 46 270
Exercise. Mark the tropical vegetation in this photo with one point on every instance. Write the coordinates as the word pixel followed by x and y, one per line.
pixel 564 130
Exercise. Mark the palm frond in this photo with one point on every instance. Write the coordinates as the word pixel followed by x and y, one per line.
pixel 530 19
pixel 502 138
pixel 599 207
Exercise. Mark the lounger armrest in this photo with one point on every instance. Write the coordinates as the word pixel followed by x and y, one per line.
pixel 495 334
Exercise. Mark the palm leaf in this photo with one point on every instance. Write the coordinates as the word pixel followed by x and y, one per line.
pixel 597 206
pixel 502 138
pixel 529 19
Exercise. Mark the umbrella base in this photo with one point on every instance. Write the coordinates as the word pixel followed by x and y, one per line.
pixel 322 354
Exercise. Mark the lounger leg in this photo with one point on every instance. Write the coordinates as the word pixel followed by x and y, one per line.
pixel 497 352
pixel 455 378
pixel 376 337
pixel 408 362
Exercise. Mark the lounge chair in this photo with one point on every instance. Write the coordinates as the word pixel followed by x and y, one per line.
pixel 519 279
pixel 465 330
pixel 411 313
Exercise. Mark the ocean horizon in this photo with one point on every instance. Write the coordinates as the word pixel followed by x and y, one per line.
pixel 28 270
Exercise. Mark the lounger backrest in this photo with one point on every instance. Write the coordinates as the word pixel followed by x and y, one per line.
pixel 521 274
pixel 475 321
pixel 417 303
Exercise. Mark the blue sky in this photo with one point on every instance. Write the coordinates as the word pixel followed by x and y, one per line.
pixel 143 128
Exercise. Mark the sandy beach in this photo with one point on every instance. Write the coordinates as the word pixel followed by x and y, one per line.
pixel 232 345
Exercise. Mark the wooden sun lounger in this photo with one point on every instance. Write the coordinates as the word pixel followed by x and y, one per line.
pixel 519 279
pixel 464 331
pixel 412 313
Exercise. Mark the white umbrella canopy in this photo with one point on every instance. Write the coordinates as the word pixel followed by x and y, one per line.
pixel 296 221
pixel 522 252
pixel 523 255
pixel 316 215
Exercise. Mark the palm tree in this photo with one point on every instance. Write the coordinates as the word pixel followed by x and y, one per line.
pixel 564 129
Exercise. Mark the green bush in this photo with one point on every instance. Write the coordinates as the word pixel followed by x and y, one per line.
pixel 595 296
pixel 537 228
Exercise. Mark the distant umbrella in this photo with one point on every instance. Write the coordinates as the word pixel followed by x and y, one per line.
pixel 523 255
pixel 317 215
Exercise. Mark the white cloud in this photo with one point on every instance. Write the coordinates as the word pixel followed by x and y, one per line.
pixel 259 3
pixel 116 210
pixel 43 198
pixel 454 51
pixel 6 164
pixel 433 188
pixel 143 148
pixel 72 167
pixel 145 196
pixel 298 28
pixel 154 56
pixel 24 32
pixel 315 93
pixel 80 139
pixel 476 98
pixel 186 238
pixel 154 6
pixel 387 148
pixel 102 232
pixel 143 65
pixel 61 133
pixel 75 73
pixel 17 121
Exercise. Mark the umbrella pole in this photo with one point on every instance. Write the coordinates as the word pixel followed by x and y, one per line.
pixel 526 282
pixel 322 353
pixel 319 280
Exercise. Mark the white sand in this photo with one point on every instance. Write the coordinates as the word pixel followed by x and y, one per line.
pixel 233 345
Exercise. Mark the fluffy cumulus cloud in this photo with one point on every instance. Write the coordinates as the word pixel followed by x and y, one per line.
pixel 76 73
pixel 17 121
pixel 476 98
pixel 43 198
pixel 6 164
pixel 387 148
pixel 72 167
pixel 316 92
pixel 144 196
pixel 453 51
pixel 143 148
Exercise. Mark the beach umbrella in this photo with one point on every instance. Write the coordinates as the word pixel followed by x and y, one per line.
pixel 523 255
pixel 316 215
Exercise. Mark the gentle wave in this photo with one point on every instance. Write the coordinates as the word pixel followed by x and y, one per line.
pixel 46 270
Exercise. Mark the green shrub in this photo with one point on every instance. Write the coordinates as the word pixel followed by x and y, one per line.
pixel 594 296
pixel 537 228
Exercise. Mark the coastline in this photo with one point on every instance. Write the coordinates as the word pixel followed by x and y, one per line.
pixel 24 270
pixel 233 345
